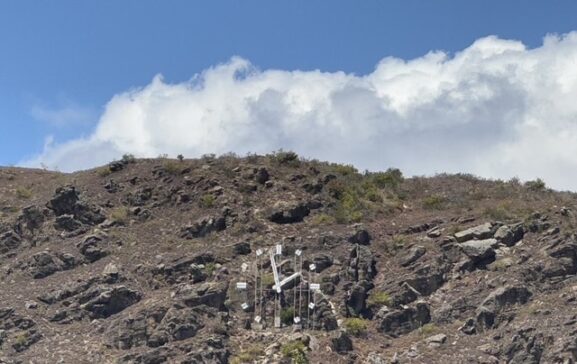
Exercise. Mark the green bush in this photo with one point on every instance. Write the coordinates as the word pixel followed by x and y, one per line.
pixel 23 193
pixel 323 219
pixel 536 185
pixel 344 169
pixel 287 315
pixel 379 299
pixel 435 202
pixel 355 326
pixel 172 167
pixel 120 215
pixel 249 355
pixel 428 329
pixel 207 201
pixel 295 350
pixel 128 158
pixel 392 178
pixel 288 158
pixel 104 171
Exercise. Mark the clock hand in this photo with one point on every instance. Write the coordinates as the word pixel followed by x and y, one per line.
pixel 275 272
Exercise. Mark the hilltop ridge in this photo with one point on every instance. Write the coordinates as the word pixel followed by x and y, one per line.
pixel 137 262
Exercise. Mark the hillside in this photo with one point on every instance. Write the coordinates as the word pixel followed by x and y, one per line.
pixel 138 261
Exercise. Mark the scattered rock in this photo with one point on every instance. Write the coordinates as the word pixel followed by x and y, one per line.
pixel 285 213
pixel 107 302
pixel 203 227
pixel 9 241
pixel 404 320
pixel 91 247
pixel 480 250
pixel 436 340
pixel 341 342
pixel 212 294
pixel 412 255
pixel 242 248
pixel 261 176
pixel 360 236
pixel 67 223
pixel 484 231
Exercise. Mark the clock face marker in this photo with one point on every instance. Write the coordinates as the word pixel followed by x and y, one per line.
pixel 292 288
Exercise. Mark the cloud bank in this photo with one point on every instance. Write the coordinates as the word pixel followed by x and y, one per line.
pixel 495 109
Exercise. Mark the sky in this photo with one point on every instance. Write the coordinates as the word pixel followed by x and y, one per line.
pixel 483 87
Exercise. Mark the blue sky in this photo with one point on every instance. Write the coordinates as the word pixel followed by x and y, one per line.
pixel 62 62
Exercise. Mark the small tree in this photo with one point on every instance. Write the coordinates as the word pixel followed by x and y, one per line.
pixel 180 157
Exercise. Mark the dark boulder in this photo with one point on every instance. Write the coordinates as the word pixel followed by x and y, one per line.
pixel 242 248
pixel 9 241
pixel 46 263
pixel 402 321
pixel 138 330
pixel 360 236
pixel 283 213
pixel 212 294
pixel 107 302
pixel 91 247
pixel 64 200
pixel 203 227
pixel 484 231
pixel 412 255
pixel 261 176
pixel 341 342
pixel 362 264
pixel 67 223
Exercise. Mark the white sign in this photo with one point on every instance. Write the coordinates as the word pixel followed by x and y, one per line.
pixel 244 267
pixel 241 285
pixel 297 320
pixel 279 249
pixel 258 252
pixel 315 286
pixel 257 319
pixel 244 306
pixel 312 306
pixel 298 252
pixel 312 267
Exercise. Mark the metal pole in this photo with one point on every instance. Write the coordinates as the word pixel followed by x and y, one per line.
pixel 255 288
pixel 309 301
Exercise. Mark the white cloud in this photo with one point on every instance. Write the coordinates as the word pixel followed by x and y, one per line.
pixel 61 116
pixel 495 109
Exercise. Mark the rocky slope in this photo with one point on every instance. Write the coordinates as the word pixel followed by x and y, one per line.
pixel 137 262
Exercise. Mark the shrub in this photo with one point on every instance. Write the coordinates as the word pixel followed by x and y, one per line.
pixel 120 215
pixel 249 355
pixel 498 213
pixel 428 329
pixel 435 202
pixel 267 280
pixel 209 268
pixel 104 171
pixel 295 350
pixel 392 178
pixel 536 185
pixel 21 338
pixel 355 326
pixel 180 158
pixel 207 201
pixel 128 158
pixel 24 193
pixel 287 315
pixel 344 169
pixel 379 299
pixel 286 158
pixel 172 167
pixel 323 219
